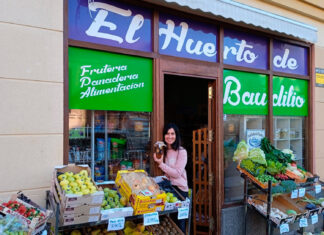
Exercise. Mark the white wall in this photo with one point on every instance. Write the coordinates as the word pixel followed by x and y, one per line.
pixel 31 93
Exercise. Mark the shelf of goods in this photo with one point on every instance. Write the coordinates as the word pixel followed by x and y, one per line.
pixel 133 197
pixel 284 192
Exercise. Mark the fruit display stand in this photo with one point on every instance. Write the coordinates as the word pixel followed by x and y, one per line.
pixel 267 203
pixel 108 212
pixel 31 216
pixel 60 228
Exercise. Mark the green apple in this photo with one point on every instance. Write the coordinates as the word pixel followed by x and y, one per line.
pixel 173 199
pixel 84 173
pixel 61 177
pixel 104 203
pixel 68 191
pixel 73 184
pixel 85 191
pixel 106 190
pixel 64 183
pixel 107 207
pixel 71 179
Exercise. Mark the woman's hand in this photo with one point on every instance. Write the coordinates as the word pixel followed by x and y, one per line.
pixel 158 160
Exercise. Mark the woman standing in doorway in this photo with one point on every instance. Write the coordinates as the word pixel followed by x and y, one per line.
pixel 175 163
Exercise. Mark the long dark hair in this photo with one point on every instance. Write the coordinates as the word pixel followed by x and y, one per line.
pixel 177 143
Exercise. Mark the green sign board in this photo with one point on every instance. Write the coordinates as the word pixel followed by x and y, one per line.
pixel 106 81
pixel 245 93
pixel 290 97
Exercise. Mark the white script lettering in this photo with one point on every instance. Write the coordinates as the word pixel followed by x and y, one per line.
pixel 99 21
pixel 208 49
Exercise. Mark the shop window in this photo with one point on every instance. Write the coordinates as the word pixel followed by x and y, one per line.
pixel 237 128
pixel 109 141
pixel 289 133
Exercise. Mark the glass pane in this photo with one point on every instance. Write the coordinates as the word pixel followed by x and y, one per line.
pixel 289 133
pixel 79 136
pixel 236 128
pixel 121 141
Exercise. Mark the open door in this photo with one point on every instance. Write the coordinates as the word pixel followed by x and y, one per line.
pixel 203 141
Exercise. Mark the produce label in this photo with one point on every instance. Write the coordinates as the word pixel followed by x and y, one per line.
pixel 284 228
pixel 294 194
pixel 186 203
pixel 301 192
pixel 314 219
pixel 303 223
pixel 290 97
pixel 151 218
pixel 116 224
pixel 106 81
pixel 245 93
pixel 183 213
pixel 318 188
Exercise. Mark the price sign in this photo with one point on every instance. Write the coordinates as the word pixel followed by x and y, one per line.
pixel 303 223
pixel 151 218
pixel 284 228
pixel 183 213
pixel 314 219
pixel 116 224
pixel 301 192
pixel 294 194
pixel 318 188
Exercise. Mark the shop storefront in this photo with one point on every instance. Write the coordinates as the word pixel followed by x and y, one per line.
pixel 134 67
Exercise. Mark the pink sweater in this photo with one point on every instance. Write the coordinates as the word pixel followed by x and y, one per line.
pixel 174 168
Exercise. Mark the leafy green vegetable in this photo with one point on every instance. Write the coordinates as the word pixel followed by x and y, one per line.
pixel 257 156
pixel 288 185
pixel 241 151
pixel 278 189
pixel 266 178
pixel 274 167
pixel 314 201
pixel 259 170
pixel 271 153
pixel 248 165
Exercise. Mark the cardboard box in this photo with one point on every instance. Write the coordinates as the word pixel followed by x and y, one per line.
pixel 81 210
pixel 148 209
pixel 140 203
pixel 35 225
pixel 116 212
pixel 177 204
pixel 79 219
pixel 72 200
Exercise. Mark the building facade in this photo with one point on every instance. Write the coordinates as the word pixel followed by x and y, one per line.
pixel 34 82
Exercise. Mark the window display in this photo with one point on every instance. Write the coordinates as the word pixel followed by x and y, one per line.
pixel 109 141
pixel 237 128
pixel 289 134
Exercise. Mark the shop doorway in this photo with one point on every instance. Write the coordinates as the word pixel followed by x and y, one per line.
pixel 188 103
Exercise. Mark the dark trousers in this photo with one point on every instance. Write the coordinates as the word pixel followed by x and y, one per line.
pixel 181 223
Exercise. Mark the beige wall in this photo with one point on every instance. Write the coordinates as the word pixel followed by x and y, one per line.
pixel 31 90
pixel 310 12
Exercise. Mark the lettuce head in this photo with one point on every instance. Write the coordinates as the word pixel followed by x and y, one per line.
pixel 257 155
pixel 241 151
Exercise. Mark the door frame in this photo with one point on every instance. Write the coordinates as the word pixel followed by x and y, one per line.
pixel 197 69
